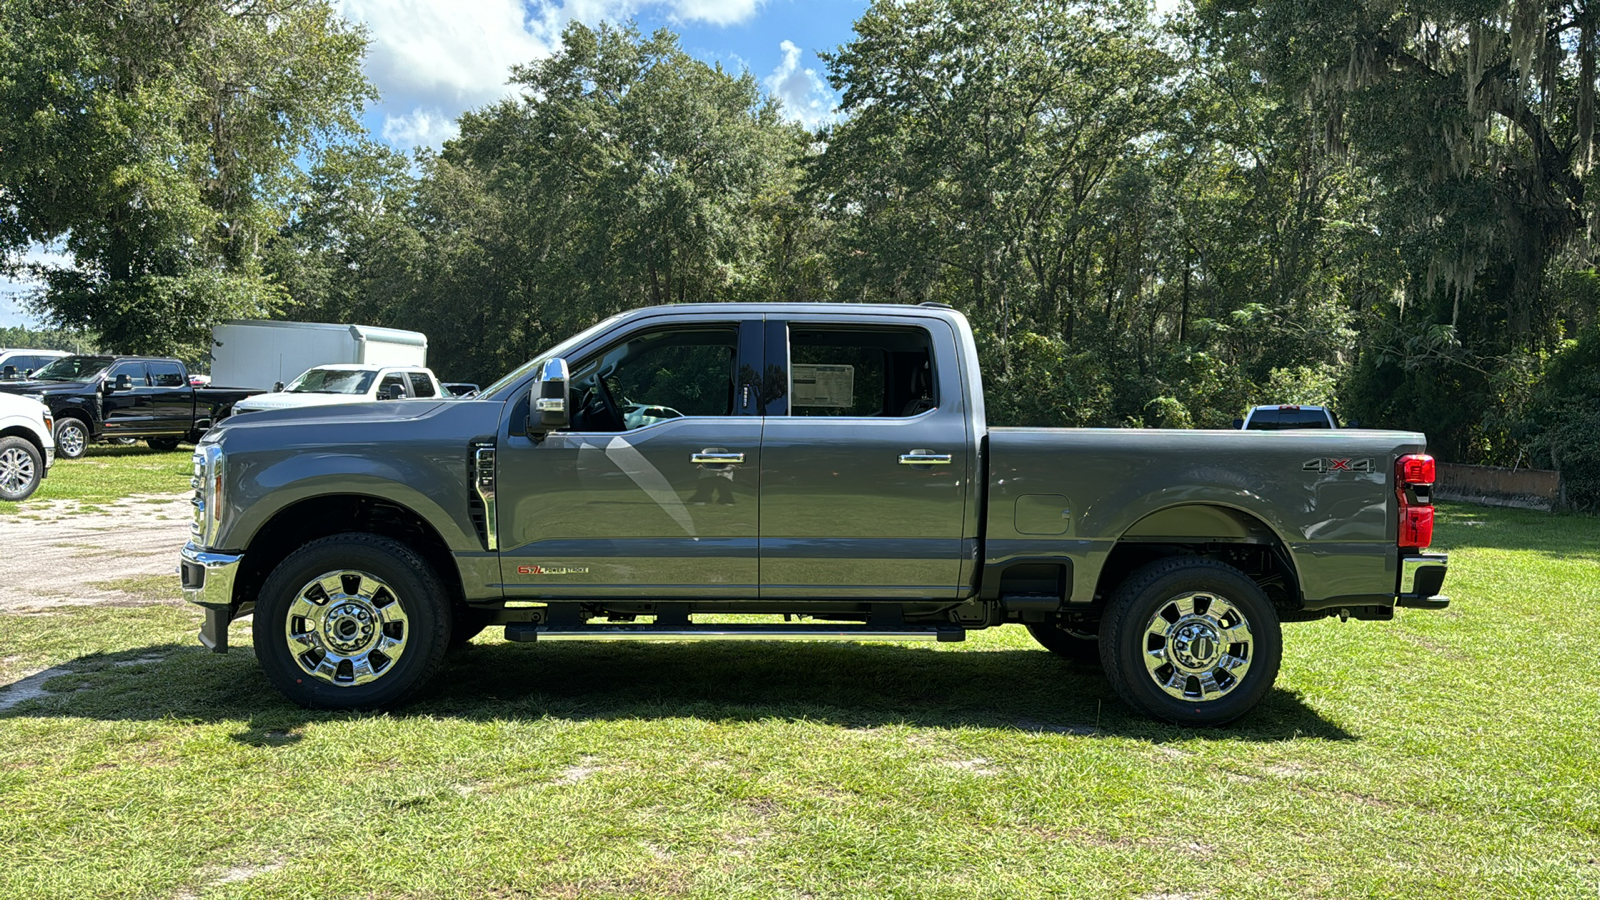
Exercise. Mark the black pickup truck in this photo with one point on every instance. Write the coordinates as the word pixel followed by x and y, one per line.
pixel 96 398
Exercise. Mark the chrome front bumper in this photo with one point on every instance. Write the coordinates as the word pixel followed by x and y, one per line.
pixel 1421 578
pixel 208 580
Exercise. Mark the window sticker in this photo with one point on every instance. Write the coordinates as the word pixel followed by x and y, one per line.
pixel 824 385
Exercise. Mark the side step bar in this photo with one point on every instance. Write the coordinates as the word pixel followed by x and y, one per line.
pixel 529 632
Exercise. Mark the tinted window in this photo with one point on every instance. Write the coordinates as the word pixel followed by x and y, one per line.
pixel 393 379
pixel 331 381
pixel 74 368
pixel 134 371
pixel 1280 419
pixel 656 376
pixel 165 374
pixel 421 384
pixel 860 372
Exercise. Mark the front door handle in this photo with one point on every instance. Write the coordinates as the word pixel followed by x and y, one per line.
pixel 707 458
pixel 924 458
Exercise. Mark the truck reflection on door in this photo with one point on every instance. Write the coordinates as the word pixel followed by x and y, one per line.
pixel 715 482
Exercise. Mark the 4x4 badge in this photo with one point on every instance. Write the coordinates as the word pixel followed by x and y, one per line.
pixel 1338 465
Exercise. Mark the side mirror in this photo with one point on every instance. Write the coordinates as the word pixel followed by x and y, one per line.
pixel 123 383
pixel 277 387
pixel 548 409
pixel 1238 424
pixel 393 392
pixel 8 373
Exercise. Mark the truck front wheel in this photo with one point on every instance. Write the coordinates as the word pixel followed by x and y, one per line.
pixel 352 621
pixel 72 438
pixel 1192 641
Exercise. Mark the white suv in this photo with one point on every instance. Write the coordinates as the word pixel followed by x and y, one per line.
pixel 26 449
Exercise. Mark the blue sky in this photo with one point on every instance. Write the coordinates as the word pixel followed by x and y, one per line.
pixel 433 59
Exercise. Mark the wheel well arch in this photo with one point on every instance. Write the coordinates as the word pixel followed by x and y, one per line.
pixel 1224 533
pixel 26 434
pixel 313 518
pixel 75 412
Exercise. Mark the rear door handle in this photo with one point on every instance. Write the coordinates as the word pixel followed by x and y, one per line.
pixel 724 459
pixel 924 458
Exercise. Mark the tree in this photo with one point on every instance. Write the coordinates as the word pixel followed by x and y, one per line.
pixel 159 142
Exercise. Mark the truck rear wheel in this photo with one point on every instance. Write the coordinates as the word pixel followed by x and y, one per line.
pixel 162 443
pixel 1192 641
pixel 352 621
pixel 1081 646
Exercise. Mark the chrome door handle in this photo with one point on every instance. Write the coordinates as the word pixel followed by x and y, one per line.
pixel 714 459
pixel 924 458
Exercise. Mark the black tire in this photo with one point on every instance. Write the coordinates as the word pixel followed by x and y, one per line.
pixel 399 631
pixel 164 444
pixel 1078 646
pixel 72 438
pixel 21 469
pixel 1197 652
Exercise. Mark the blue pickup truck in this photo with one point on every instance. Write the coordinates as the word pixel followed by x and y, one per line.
pixel 826 467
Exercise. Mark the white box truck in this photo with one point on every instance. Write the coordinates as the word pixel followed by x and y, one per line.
pixel 254 353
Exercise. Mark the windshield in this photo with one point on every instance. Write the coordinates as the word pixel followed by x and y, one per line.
pixel 331 381
pixel 560 349
pixel 74 368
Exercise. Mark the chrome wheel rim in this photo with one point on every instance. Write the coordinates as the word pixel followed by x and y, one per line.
pixel 347 628
pixel 16 470
pixel 1198 647
pixel 72 440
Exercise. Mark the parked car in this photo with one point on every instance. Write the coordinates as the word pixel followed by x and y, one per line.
pixel 95 398
pixel 826 463
pixel 27 450
pixel 16 364
pixel 333 385
pixel 262 353
pixel 1287 416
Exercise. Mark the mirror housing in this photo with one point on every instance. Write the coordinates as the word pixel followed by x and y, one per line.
pixel 9 373
pixel 277 387
pixel 549 406
pixel 123 383
pixel 393 392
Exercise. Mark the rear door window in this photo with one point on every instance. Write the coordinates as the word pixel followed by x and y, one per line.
pixel 876 372
pixel 167 375
pixel 421 384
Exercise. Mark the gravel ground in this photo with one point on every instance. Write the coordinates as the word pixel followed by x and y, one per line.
pixel 54 556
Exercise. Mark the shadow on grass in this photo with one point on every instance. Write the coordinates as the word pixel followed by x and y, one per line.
pixel 847 685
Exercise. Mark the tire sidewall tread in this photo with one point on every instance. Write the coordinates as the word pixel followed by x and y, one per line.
pixel 12 441
pixel 416 586
pixel 1137 599
pixel 62 425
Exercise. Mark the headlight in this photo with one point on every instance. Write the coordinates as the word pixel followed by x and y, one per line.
pixel 210 467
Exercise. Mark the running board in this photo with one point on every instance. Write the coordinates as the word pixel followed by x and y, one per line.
pixel 529 632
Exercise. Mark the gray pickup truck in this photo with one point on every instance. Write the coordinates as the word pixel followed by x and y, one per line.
pixel 825 466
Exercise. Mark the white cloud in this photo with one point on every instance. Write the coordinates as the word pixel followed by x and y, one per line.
pixel 716 12
pixel 419 128
pixel 805 96
pixel 446 55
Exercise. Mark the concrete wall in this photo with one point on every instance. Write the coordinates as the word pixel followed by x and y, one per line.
pixel 1491 486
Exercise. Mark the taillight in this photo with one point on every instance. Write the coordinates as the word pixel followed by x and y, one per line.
pixel 1413 485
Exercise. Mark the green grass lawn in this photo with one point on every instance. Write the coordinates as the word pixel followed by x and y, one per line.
pixel 109 472
pixel 1447 755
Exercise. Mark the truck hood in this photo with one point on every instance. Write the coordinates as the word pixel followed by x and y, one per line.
pixel 45 387
pixel 285 400
pixel 332 413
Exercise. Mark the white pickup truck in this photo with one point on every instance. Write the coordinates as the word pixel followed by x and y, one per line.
pixel 346 383
pixel 26 448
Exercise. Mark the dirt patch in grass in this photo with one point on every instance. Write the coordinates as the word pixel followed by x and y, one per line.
pixel 119 554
